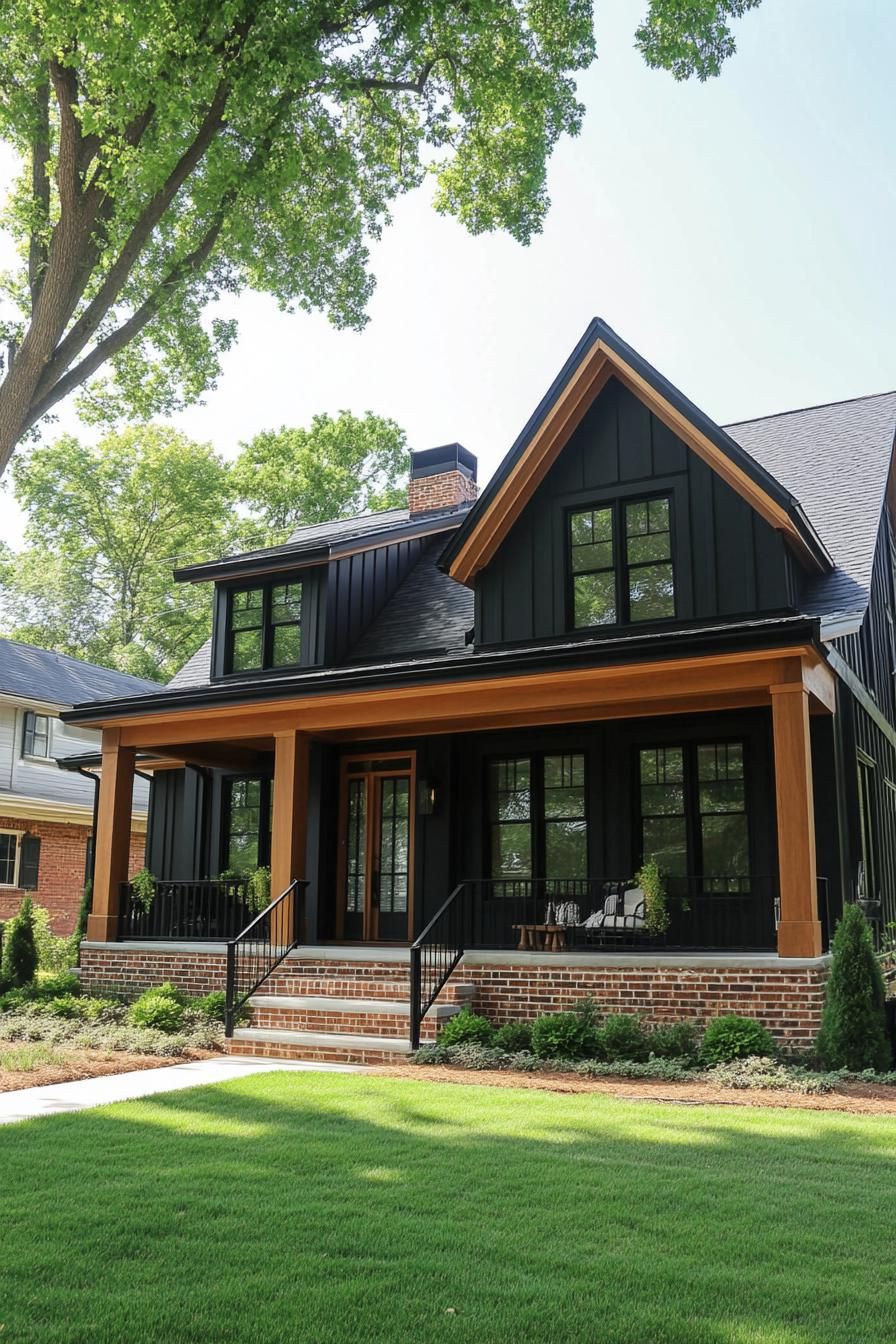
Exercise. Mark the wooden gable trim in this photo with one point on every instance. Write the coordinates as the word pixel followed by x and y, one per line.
pixel 597 367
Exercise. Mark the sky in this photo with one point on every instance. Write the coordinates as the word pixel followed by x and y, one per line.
pixel 740 234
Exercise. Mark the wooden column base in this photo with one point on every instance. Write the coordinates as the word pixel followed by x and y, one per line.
pixel 102 928
pixel 799 938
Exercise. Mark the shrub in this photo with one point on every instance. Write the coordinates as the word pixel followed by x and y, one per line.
pixel 49 984
pixel 561 1036
pixel 211 1007
pixel 55 955
pixel 514 1037
pixel 157 1008
pixel 853 1033
pixel 19 950
pixel 84 910
pixel 731 1037
pixel 81 1009
pixel 465 1027
pixel 623 1036
pixel 667 1070
pixel 674 1040
pixel 770 1074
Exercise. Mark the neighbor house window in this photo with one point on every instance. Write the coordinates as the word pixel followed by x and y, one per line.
pixel 36 735
pixel 620 562
pixel 9 858
pixel 247 825
pixel 264 627
pixel 537 816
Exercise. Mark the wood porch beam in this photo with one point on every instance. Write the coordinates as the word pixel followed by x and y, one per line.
pixel 799 928
pixel 589 692
pixel 289 809
pixel 113 835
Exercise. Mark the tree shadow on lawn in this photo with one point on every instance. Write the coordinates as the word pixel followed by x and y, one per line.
pixel 329 1208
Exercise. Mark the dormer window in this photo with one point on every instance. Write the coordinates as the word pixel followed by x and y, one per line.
pixel 264 627
pixel 620 562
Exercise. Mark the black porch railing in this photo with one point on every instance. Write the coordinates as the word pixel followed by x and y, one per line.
pixel 212 910
pixel 260 947
pixel 436 953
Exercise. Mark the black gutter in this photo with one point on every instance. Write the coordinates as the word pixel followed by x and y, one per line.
pixel 599 330
pixel 465 666
pixel 286 557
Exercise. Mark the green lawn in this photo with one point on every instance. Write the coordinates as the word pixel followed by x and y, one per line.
pixel 331 1208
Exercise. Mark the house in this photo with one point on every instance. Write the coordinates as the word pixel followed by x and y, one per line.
pixel 46 815
pixel 456 731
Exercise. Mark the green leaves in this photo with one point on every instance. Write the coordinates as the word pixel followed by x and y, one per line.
pixel 337 467
pixel 690 37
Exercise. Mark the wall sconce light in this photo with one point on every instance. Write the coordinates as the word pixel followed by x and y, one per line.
pixel 426 797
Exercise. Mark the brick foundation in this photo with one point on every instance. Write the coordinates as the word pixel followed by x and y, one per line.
pixel 786 999
pixel 60 874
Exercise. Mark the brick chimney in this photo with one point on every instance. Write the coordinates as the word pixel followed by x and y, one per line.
pixel 441 478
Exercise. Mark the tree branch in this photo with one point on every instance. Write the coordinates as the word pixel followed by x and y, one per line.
pixel 40 192
pixel 65 87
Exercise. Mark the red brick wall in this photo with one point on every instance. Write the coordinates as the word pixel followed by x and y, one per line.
pixel 60 875
pixel 788 1002
pixel 443 491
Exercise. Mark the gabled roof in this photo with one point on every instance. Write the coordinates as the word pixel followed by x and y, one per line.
pixel 57 679
pixel 836 459
pixel 600 355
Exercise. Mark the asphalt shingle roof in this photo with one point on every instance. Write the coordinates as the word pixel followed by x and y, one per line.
pixel 835 460
pixel 41 674
pixel 427 612
pixel 197 671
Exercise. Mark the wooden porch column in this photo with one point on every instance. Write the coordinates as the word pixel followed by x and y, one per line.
pixel 112 842
pixel 799 929
pixel 289 809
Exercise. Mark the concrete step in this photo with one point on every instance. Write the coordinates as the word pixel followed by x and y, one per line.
pixel 380 1017
pixel 331 1047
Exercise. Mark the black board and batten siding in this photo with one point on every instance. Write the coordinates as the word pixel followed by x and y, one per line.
pixel 359 586
pixel 728 561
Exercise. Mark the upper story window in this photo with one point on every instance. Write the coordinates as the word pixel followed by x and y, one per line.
pixel 264 627
pixel 620 562
pixel 35 734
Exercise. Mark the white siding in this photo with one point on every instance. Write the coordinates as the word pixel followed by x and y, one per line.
pixel 43 779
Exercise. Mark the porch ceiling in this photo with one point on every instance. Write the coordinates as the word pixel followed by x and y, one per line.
pixel 683 685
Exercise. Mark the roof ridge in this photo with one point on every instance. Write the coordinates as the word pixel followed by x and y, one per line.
pixel 799 410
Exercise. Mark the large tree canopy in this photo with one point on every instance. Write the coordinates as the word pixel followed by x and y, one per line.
pixel 337 467
pixel 106 527
pixel 177 150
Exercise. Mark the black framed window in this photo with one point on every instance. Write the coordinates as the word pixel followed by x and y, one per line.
pixel 264 627
pixel 868 829
pixel 694 811
pixel 35 734
pixel 9 858
pixel 538 817
pixel 247 824
pixel 620 562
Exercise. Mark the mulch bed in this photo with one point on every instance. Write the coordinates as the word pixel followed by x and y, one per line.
pixel 89 1064
pixel 856 1098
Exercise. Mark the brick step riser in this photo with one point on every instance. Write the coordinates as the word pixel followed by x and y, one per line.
pixel 334 1054
pixel 340 986
pixel 395 1025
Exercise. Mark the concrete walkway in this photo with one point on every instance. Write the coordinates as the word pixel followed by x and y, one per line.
pixel 57 1098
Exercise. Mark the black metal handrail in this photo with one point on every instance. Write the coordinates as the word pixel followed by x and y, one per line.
pixel 435 954
pixel 261 946
pixel 212 910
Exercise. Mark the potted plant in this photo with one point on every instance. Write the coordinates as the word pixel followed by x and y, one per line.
pixel 143 889
pixel 649 878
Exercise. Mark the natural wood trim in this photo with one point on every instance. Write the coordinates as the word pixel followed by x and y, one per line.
pixel 514 493
pixel 289 819
pixel 113 831
pixel 799 930
pixel 373 803
pixel 465 704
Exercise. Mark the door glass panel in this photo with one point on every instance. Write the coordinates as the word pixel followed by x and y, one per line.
pixel 356 847
pixel 394 845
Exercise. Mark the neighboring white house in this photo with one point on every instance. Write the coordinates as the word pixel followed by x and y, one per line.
pixel 46 814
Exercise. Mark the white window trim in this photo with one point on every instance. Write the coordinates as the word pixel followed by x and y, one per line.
pixel 14 886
